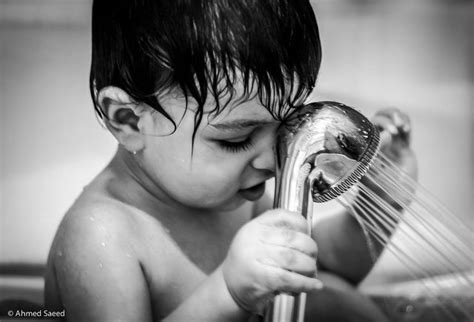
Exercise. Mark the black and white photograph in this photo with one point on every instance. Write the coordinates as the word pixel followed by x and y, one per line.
pixel 237 160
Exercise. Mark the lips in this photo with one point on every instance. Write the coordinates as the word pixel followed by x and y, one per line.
pixel 253 193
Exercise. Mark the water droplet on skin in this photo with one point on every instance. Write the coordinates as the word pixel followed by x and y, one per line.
pixel 60 253
pixel 103 244
pixel 92 218
pixel 409 308
pixel 100 265
pixel 128 255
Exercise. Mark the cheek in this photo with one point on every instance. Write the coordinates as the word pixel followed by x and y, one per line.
pixel 205 186
pixel 203 173
pixel 216 167
pixel 216 174
pixel 206 177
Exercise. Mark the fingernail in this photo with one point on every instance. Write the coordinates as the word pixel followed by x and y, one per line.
pixel 318 285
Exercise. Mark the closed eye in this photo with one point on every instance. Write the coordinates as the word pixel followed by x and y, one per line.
pixel 236 146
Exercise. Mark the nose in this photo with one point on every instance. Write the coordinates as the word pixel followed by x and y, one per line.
pixel 264 160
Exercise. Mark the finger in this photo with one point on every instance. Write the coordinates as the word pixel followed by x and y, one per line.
pixel 384 123
pixel 390 136
pixel 397 117
pixel 291 239
pixel 287 281
pixel 284 219
pixel 289 259
pixel 395 122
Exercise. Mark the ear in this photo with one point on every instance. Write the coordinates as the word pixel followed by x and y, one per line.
pixel 124 117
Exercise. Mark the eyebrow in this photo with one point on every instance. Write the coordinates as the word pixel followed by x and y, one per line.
pixel 240 124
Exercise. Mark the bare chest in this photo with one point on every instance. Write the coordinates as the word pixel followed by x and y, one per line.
pixel 179 261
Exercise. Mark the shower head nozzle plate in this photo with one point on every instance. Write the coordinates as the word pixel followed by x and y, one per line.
pixel 337 141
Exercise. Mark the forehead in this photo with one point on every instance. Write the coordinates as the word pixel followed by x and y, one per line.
pixel 247 112
pixel 235 105
pixel 241 106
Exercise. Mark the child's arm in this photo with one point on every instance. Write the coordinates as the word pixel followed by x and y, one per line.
pixel 271 253
pixel 211 301
pixel 101 279
pixel 97 273
pixel 98 281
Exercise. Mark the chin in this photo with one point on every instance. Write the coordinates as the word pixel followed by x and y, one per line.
pixel 233 206
pixel 228 205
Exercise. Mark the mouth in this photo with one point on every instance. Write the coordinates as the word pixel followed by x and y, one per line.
pixel 253 193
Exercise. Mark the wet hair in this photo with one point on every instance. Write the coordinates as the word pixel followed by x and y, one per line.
pixel 202 47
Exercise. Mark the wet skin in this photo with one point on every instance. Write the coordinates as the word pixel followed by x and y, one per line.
pixel 151 227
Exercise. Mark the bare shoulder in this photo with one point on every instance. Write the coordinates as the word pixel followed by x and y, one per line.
pixel 94 223
pixel 96 255
pixel 99 225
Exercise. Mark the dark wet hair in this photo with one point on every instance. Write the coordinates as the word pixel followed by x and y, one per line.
pixel 200 47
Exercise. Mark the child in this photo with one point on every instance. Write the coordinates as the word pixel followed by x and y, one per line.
pixel 175 228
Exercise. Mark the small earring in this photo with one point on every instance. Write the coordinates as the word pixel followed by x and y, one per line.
pixel 134 152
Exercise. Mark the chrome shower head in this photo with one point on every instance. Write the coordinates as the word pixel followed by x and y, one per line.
pixel 334 141
pixel 322 150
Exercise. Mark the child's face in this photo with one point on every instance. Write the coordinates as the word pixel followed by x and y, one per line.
pixel 230 161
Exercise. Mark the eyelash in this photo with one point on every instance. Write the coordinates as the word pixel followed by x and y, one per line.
pixel 236 147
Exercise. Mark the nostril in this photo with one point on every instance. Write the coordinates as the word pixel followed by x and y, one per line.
pixel 268 174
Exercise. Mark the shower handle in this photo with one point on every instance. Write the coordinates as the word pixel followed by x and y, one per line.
pixel 293 193
pixel 322 150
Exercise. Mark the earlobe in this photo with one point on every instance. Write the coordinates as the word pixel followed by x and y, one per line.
pixel 122 117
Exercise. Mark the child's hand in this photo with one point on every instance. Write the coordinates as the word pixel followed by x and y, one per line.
pixel 395 133
pixel 271 253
